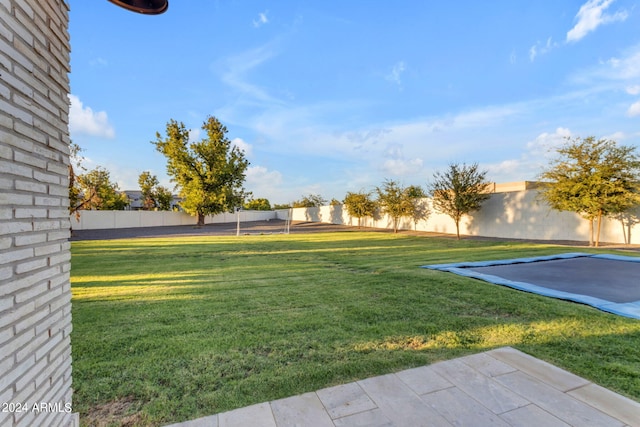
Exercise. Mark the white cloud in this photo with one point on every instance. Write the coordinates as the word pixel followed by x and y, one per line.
pixel 548 141
pixel 242 145
pixel 98 62
pixel 634 109
pixel 633 90
pixel 541 49
pixel 235 71
pixel 262 19
pixel 533 52
pixel 265 183
pixel 616 136
pixel 402 166
pixel 395 76
pixel 83 120
pixel 535 156
pixel 590 16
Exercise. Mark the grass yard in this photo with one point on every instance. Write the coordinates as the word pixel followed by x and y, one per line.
pixel 171 329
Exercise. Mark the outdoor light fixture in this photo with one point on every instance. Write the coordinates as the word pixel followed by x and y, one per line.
pixel 148 7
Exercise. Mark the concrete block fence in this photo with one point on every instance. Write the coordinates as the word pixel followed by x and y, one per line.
pixel 513 211
pixel 96 220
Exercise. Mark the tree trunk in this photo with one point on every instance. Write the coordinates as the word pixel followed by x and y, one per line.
pixel 599 226
pixel 200 219
pixel 591 232
pixel 458 228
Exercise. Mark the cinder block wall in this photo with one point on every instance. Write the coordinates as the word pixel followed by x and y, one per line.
pixel 35 294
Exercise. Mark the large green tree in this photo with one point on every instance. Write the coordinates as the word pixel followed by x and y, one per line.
pixel 208 173
pixel 594 178
pixel 360 205
pixel 458 191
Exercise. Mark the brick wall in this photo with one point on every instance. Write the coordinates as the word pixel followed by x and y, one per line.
pixel 35 294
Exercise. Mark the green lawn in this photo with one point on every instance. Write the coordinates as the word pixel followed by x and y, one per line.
pixel 170 329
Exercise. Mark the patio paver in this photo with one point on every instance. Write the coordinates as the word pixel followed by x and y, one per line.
pixel 501 387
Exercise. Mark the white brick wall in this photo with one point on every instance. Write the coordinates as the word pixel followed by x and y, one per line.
pixel 35 296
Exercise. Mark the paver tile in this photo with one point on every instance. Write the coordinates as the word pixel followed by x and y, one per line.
pixel 562 405
pixel 373 418
pixel 485 390
pixel 550 374
pixel 304 410
pixel 210 421
pixel 259 415
pixel 399 403
pixel 626 410
pixel 461 410
pixel 532 416
pixel 423 380
pixel 489 366
pixel 344 400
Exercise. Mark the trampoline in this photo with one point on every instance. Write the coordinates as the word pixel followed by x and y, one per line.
pixel 610 283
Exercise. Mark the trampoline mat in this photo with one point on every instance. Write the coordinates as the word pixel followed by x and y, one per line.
pixel 607 279
pixel 607 282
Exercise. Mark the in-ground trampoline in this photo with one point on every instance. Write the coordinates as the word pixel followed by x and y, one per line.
pixel 608 282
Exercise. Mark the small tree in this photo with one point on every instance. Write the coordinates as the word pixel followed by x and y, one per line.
pixel 310 201
pixel 359 205
pixel 594 178
pixel 394 201
pixel 459 191
pixel 164 198
pixel 148 184
pixel 417 204
pixel 75 166
pixel 209 173
pixel 96 191
pixel 154 196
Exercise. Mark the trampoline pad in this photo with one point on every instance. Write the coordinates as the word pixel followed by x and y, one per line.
pixel 608 282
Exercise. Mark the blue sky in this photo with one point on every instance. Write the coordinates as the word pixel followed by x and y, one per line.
pixel 333 96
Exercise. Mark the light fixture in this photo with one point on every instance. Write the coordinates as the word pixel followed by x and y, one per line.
pixel 147 7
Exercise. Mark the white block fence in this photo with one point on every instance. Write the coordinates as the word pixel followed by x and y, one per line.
pixel 513 211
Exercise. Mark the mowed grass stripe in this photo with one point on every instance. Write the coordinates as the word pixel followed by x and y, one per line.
pixel 170 329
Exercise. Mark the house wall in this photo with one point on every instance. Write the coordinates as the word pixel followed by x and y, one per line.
pixel 35 294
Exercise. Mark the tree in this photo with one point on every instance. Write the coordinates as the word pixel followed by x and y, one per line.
pixel 310 201
pixel 96 191
pixel 258 205
pixel 209 173
pixel 148 184
pixel 459 191
pixel 393 200
pixel 418 205
pixel 154 196
pixel 359 205
pixel 75 165
pixel 164 198
pixel 594 179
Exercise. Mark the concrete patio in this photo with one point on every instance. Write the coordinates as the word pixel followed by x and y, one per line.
pixel 501 387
